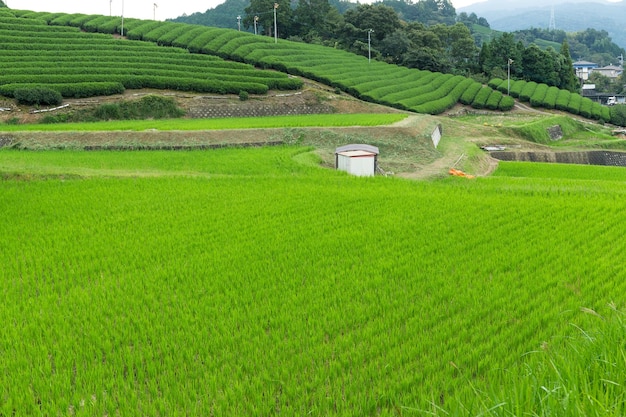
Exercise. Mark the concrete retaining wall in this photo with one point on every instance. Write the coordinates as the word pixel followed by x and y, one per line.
pixel 608 158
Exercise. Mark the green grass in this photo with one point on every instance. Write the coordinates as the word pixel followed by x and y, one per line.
pixel 560 171
pixel 244 282
pixel 318 120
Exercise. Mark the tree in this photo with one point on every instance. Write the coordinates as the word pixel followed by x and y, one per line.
pixel 602 82
pixel 432 12
pixel 394 47
pixel 383 19
pixel 620 84
pixel 483 22
pixel 498 53
pixel 424 58
pixel 540 66
pixel 2 4
pixel 316 20
pixel 459 48
pixel 567 74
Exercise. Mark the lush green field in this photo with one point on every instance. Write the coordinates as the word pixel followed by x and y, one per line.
pixel 252 282
pixel 316 120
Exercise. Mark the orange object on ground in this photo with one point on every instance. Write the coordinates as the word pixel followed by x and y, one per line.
pixel 459 173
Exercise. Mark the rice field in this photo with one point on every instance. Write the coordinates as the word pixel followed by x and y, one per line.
pixel 311 120
pixel 253 282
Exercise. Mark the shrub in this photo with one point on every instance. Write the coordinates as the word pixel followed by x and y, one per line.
pixel 493 101
pixel 243 95
pixel 158 107
pixel 527 91
pixel 468 95
pixel 38 95
pixel 606 114
pixel 585 107
pixel 618 114
pixel 506 103
pixel 574 104
pixel 596 110
pixel 495 83
pixel 147 107
pixel 108 111
pixel 562 100
pixel 480 101
pixel 536 99
pixel 517 87
pixel 549 101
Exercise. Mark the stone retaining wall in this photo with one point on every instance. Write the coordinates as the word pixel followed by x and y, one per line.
pixel 256 110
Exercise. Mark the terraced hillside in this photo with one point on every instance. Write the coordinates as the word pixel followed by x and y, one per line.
pixel 106 65
pixel 400 87
pixel 78 64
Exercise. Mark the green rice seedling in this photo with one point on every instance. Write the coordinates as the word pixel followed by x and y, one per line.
pixel 320 120
pixel 232 281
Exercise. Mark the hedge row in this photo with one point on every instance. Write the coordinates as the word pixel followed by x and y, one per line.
pixel 69 90
pixel 542 95
pixel 311 61
pixel 145 81
pixel 89 60
pixel 469 95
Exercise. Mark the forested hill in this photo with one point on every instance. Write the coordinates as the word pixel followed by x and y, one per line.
pixel 568 16
pixel 222 16
pixel 428 12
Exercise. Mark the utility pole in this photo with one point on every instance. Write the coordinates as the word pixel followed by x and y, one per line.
pixel 256 19
pixel 154 11
pixel 239 23
pixel 122 30
pixel 275 24
pixel 369 45
pixel 110 8
pixel 508 77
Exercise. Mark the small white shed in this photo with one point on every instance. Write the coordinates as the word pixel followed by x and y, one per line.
pixel 357 159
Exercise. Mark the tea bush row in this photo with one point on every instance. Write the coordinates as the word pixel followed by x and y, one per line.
pixel 301 59
pixel 550 97
pixel 35 54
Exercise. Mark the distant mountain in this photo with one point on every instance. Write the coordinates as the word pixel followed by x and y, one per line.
pixel 223 15
pixel 569 15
